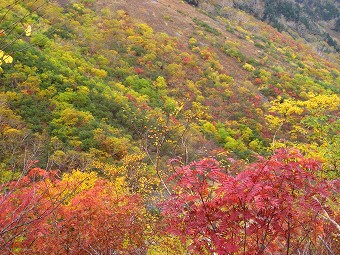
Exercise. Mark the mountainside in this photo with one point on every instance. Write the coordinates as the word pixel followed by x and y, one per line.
pixel 318 22
pixel 118 96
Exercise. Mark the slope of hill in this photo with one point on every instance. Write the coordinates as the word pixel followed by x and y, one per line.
pixel 315 21
pixel 223 71
pixel 114 89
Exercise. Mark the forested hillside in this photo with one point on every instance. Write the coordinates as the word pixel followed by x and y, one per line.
pixel 316 21
pixel 166 127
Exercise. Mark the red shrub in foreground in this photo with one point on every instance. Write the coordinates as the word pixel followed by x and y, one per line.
pixel 40 214
pixel 274 206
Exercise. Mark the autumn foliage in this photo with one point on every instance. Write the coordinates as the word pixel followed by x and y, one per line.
pixel 107 94
pixel 42 214
pixel 274 206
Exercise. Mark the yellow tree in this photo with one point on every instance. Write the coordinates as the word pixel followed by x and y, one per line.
pixel 312 126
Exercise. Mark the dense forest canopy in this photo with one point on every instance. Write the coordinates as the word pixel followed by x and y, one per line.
pixel 168 127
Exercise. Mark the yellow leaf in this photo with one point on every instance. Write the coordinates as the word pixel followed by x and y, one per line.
pixel 8 59
pixel 28 30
